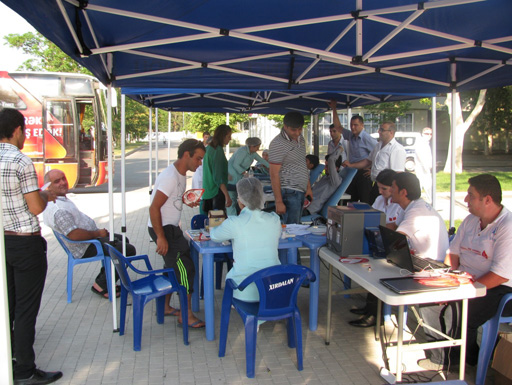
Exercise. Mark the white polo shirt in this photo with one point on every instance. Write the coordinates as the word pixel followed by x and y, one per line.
pixel 392 210
pixel 392 156
pixel 481 251
pixel 425 228
pixel 173 185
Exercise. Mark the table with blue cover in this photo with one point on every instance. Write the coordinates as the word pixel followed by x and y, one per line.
pixel 208 249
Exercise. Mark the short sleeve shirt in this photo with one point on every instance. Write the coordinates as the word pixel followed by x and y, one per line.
pixel 482 251
pixel 392 156
pixel 392 210
pixel 360 146
pixel 173 185
pixel 18 177
pixel 291 155
pixel 425 230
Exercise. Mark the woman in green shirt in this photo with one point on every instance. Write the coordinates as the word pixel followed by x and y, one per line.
pixel 215 171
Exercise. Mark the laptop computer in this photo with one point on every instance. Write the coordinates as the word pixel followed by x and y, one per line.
pixel 375 244
pixel 397 252
pixel 409 285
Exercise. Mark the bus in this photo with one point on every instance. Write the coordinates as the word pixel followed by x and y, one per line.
pixel 65 123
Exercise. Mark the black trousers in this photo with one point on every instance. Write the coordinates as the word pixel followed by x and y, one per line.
pixel 218 202
pixel 447 319
pixel 360 187
pixel 101 278
pixel 26 267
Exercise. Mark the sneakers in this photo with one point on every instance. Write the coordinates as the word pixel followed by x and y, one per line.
pixel 39 378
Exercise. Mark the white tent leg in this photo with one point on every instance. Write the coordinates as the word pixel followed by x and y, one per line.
pixel 123 171
pixel 156 142
pixel 434 153
pixel 150 157
pixel 452 167
pixel 169 140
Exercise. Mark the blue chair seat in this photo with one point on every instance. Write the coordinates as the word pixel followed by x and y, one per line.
pixel 278 287
pixel 155 284
pixel 72 261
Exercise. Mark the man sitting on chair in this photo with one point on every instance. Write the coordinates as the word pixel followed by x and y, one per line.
pixel 64 217
pixel 327 185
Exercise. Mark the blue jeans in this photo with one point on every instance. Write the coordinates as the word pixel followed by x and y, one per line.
pixel 293 200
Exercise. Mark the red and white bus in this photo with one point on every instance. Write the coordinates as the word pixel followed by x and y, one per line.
pixel 65 123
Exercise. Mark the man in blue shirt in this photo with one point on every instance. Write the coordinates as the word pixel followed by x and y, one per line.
pixel 360 145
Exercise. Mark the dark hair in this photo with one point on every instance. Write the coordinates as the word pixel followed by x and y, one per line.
pixel 386 177
pixel 358 117
pixel 219 135
pixel 409 182
pixel 293 119
pixel 487 184
pixel 331 126
pixel 190 146
pixel 391 125
pixel 10 119
pixel 337 162
pixel 313 159
pixel 206 133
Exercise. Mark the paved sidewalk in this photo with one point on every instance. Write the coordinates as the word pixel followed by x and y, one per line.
pixel 78 338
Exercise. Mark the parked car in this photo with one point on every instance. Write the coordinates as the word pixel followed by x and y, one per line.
pixel 408 140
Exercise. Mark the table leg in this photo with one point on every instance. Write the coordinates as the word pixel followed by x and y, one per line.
pixel 329 309
pixel 291 256
pixel 377 323
pixel 314 289
pixel 463 335
pixel 208 296
pixel 399 343
pixel 194 253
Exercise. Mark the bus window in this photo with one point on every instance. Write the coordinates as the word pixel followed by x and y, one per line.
pixel 8 97
pixel 86 123
pixel 59 123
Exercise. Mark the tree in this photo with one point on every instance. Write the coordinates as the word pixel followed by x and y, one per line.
pixel 389 111
pixel 208 121
pixel 472 104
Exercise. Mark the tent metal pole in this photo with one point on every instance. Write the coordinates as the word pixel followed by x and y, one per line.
pixel 452 160
pixel 227 145
pixel 156 142
pixel 434 152
pixel 150 157
pixel 169 139
pixel 123 170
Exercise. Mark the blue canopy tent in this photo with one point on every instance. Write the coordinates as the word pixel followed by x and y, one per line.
pixel 354 47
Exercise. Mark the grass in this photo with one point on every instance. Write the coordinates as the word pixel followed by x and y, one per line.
pixel 128 147
pixel 461 180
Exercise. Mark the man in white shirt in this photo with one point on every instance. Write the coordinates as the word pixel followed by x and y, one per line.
pixel 481 248
pixel 388 153
pixel 164 220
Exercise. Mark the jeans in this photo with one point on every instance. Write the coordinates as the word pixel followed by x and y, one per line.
pixel 26 267
pixel 294 201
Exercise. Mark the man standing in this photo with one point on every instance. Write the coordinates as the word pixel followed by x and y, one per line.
pixel 164 219
pixel 423 168
pixel 480 248
pixel 64 217
pixel 288 172
pixel 360 145
pixel 25 248
pixel 388 153
pixel 337 141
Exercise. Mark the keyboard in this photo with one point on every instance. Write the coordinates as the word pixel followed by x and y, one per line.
pixel 424 263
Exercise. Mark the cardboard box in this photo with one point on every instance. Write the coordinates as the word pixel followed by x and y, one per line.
pixel 216 217
pixel 502 361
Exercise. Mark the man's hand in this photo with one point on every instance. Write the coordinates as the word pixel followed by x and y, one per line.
pixel 346 164
pixel 229 202
pixel 367 172
pixel 48 195
pixel 332 104
pixel 193 204
pixel 309 192
pixel 162 246
pixel 280 208
pixel 102 233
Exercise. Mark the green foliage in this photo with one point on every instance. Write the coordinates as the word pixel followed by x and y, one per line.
pixel 48 57
pixel 208 121
pixel 461 180
pixel 278 119
pixel 389 111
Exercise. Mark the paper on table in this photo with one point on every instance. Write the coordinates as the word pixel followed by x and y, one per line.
pixel 296 229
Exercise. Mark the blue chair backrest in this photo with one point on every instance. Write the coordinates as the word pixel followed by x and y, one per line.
pixel 315 173
pixel 197 221
pixel 278 287
pixel 120 263
pixel 347 174
pixel 62 239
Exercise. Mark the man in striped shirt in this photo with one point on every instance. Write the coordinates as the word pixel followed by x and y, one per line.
pixel 288 172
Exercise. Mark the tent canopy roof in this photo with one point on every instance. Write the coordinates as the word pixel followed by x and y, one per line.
pixel 396 47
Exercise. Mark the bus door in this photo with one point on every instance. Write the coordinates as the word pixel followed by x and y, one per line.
pixel 60 138
pixel 87 141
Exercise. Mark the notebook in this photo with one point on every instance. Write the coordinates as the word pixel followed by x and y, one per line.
pixel 397 252
pixel 409 285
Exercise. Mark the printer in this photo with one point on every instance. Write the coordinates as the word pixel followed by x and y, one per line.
pixel 346 228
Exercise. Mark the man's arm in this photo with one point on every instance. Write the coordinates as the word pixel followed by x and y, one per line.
pixel 452 260
pixel 156 221
pixel 276 187
pixel 491 280
pixel 37 200
pixel 85 235
pixel 362 164
pixel 335 118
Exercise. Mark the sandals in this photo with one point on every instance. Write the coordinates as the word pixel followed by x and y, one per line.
pixel 104 292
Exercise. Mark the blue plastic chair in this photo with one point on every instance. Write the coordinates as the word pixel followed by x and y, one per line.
pixel 72 261
pixel 278 287
pixel 155 285
pixel 315 173
pixel 347 174
pixel 197 222
pixel 489 335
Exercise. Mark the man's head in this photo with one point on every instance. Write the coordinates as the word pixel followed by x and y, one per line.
pixel 337 163
pixel 58 182
pixel 191 151
pixel 356 125
pixel 335 134
pixel 387 132
pixel 292 124
pixel 384 182
pixel 405 188
pixel 484 190
pixel 12 127
pixel 427 133
pixel 312 161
